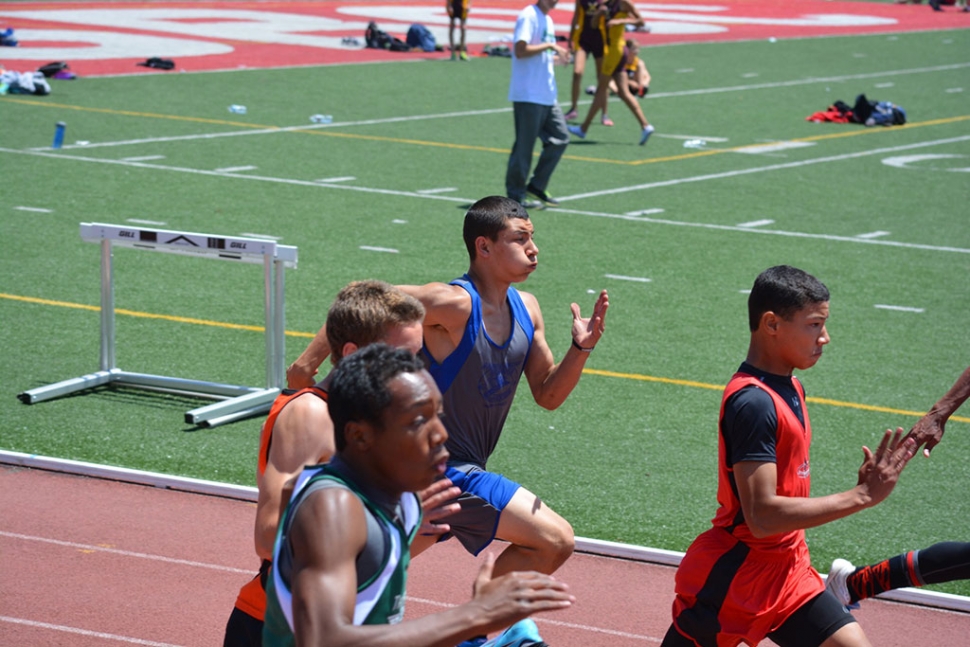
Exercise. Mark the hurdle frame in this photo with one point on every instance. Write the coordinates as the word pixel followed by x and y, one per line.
pixel 235 402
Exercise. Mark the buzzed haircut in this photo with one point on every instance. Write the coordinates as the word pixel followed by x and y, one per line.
pixel 784 290
pixel 359 388
pixel 488 217
pixel 363 312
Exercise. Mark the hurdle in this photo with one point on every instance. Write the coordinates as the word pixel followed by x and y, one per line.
pixel 235 402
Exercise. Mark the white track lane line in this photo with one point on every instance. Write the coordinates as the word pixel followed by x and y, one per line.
pixel 84 632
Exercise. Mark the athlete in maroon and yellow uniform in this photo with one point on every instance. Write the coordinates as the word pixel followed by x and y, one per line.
pixel 610 20
pixel 457 13
pixel 750 575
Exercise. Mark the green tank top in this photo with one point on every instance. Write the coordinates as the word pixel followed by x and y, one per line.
pixel 381 566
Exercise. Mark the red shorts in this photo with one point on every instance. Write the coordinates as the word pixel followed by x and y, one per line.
pixel 729 593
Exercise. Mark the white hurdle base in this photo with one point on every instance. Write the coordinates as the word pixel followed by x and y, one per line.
pixel 237 402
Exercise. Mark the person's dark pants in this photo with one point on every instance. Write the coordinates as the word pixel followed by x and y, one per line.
pixel 535 121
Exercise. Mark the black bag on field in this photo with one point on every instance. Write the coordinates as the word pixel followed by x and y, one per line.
pixel 375 38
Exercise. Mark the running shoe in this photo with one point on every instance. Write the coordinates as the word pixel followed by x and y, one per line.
pixel 607 121
pixel 576 130
pixel 837 580
pixel 524 633
pixel 645 135
pixel 572 114
pixel 474 642
pixel 542 196
pixel 530 204
pixel 463 55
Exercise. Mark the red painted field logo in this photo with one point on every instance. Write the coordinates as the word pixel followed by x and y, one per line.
pixel 111 38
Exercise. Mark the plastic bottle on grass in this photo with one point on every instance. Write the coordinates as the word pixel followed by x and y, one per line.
pixel 59 134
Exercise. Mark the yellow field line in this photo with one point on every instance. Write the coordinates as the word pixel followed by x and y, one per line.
pixel 129 113
pixel 588 371
pixel 149 315
pixel 487 149
pixel 720 387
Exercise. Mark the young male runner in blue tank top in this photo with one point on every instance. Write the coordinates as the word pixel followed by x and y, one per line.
pixel 480 336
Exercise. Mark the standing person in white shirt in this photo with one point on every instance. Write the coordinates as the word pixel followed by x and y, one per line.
pixel 535 103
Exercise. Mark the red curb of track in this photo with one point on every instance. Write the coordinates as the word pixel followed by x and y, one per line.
pixel 729 20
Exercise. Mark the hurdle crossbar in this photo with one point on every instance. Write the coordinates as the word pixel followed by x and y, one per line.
pixel 235 402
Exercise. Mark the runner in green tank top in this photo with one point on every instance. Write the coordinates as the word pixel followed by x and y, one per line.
pixel 390 442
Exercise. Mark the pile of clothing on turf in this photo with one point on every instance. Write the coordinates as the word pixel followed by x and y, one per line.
pixel 23 83
pixel 12 82
pixel 864 111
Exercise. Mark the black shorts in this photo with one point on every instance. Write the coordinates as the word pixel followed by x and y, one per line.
pixel 814 623
pixel 591 40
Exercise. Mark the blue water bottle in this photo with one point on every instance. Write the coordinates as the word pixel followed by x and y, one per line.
pixel 59 134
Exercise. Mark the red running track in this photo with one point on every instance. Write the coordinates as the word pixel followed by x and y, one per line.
pixel 87 562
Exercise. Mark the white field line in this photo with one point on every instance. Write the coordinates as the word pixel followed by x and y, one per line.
pixel 772 232
pixel 34 209
pixel 492 111
pixel 699 178
pixel 762 169
pixel 621 277
pixel 899 308
pixel 259 178
pixel 284 129
pixel 83 632
pixel 756 223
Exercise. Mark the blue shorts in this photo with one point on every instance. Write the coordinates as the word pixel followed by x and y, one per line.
pixel 484 495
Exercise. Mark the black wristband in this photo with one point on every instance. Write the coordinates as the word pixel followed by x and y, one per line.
pixel 581 349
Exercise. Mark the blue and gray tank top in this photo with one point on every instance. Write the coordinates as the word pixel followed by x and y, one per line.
pixel 478 379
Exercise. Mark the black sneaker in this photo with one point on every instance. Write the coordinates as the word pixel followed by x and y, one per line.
pixel 530 204
pixel 542 196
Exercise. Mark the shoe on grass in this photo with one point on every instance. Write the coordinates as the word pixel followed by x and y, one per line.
pixel 463 55
pixel 645 134
pixel 576 130
pixel 542 196
pixel 530 204
pixel 572 114
pixel 607 121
